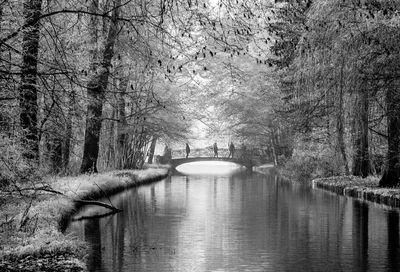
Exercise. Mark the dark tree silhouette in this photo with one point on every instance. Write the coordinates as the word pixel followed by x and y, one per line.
pixel 28 93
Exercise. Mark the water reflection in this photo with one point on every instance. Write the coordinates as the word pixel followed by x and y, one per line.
pixel 240 222
pixel 393 251
pixel 209 168
pixel 92 227
pixel 360 235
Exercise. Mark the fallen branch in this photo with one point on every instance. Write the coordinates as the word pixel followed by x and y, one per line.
pixel 98 203
pixel 97 216
pixel 84 202
pixel 43 188
pixel 104 193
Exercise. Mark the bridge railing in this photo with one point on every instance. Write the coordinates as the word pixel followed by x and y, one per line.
pixel 200 152
pixel 253 155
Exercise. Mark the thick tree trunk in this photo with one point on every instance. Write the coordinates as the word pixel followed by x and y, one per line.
pixel 96 94
pixel 361 164
pixel 391 174
pixel 340 122
pixel 28 93
pixel 152 149
pixel 93 125
pixel 340 136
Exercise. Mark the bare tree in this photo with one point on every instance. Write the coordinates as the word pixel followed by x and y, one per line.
pixel 96 88
pixel 28 92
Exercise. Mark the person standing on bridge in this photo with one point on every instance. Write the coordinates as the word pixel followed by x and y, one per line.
pixel 231 150
pixel 187 150
pixel 215 150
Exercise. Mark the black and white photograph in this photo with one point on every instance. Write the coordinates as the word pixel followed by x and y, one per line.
pixel 199 135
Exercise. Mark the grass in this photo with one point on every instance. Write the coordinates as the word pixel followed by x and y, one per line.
pixel 33 226
pixel 358 187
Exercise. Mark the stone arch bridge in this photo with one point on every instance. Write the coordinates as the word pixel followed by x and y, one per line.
pixel 245 157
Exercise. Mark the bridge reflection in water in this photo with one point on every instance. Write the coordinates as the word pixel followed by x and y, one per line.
pixel 209 168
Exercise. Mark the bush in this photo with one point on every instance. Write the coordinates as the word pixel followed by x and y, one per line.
pixel 311 160
pixel 13 166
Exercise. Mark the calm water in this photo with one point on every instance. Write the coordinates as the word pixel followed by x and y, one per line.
pixel 240 222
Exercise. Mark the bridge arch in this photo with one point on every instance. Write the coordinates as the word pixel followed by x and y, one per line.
pixel 179 161
pixel 244 157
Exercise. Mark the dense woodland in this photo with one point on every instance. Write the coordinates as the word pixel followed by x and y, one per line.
pixel 94 85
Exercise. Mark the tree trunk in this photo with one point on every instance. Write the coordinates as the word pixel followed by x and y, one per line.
pixel 152 149
pixel 391 174
pixel 1 13
pixel 66 150
pixel 56 154
pixel 94 36
pixel 96 95
pixel 273 148
pixel 361 165
pixel 93 115
pixel 111 139
pixel 28 92
pixel 122 136
pixel 340 123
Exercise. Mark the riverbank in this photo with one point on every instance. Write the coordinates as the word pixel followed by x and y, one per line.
pixel 365 189
pixel 32 221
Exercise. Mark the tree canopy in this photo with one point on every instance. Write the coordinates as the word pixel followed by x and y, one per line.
pixel 95 84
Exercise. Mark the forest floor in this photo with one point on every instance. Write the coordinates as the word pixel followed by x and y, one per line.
pixel 362 188
pixel 32 220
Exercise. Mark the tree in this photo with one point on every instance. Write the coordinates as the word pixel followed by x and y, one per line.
pixel 28 92
pixel 96 92
pixel 361 162
pixel 391 173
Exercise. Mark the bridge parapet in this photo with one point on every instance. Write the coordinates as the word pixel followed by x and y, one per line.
pixel 245 157
pixel 200 152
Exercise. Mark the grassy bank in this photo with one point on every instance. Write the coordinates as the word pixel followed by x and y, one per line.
pixel 366 189
pixel 324 172
pixel 31 222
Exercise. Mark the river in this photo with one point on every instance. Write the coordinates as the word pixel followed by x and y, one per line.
pixel 234 220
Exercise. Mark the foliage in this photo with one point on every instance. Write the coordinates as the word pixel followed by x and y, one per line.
pixel 14 168
pixel 261 73
pixel 312 160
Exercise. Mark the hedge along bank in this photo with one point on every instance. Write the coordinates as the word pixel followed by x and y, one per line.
pixel 34 239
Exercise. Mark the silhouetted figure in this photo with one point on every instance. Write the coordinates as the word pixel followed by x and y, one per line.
pixel 231 150
pixel 187 150
pixel 215 150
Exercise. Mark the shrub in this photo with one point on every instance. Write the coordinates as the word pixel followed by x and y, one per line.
pixel 311 160
pixel 13 166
